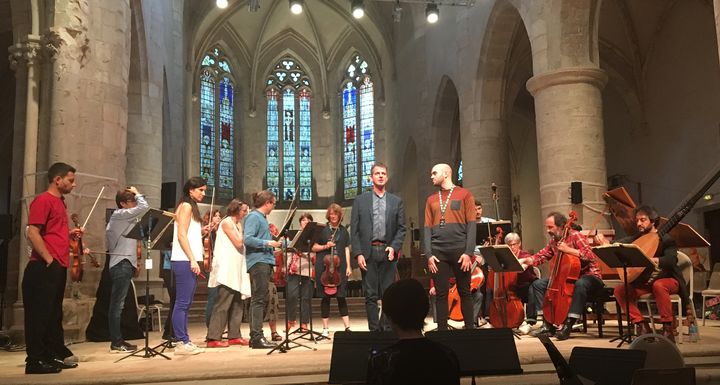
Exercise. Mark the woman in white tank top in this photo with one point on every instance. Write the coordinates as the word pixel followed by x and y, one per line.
pixel 186 252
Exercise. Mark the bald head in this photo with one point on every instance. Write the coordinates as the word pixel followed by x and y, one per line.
pixel 441 175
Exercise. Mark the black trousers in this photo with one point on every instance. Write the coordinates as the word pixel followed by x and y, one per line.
pixel 448 264
pixel 43 289
pixel 169 281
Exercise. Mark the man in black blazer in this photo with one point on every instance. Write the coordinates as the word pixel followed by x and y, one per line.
pixel 377 227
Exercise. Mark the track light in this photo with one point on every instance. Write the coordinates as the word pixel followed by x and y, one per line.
pixel 296 6
pixel 222 4
pixel 432 13
pixel 358 10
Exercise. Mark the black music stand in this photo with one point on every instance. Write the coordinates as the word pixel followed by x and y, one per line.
pixel 488 230
pixel 621 255
pixel 502 260
pixel 151 229
pixel 302 242
pixel 284 346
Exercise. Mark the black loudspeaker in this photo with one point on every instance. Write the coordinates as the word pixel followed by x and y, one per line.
pixel 593 364
pixel 497 355
pixel 167 195
pixel 576 193
pixel 350 354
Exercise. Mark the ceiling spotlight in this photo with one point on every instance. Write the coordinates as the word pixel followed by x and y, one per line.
pixel 358 10
pixel 296 6
pixel 221 4
pixel 432 13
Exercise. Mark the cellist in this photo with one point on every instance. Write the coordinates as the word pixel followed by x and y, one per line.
pixel 574 245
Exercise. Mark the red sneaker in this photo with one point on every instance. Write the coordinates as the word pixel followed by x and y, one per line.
pixel 239 341
pixel 217 344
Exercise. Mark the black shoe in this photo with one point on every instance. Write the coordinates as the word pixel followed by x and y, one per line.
pixel 565 330
pixel 58 363
pixel 546 329
pixel 41 367
pixel 563 333
pixel 261 343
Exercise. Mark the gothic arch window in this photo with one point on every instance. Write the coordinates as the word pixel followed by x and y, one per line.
pixel 358 127
pixel 217 123
pixel 289 149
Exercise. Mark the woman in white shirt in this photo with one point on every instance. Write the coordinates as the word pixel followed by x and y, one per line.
pixel 229 275
pixel 187 251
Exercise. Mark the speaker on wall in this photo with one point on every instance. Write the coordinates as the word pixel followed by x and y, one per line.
pixel 576 193
pixel 167 195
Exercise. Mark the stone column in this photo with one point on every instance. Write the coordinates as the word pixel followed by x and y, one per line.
pixel 486 161
pixel 568 110
pixel 24 58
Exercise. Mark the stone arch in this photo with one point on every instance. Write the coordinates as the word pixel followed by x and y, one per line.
pixel 446 125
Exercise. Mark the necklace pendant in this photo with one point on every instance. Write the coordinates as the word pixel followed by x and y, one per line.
pixel 442 223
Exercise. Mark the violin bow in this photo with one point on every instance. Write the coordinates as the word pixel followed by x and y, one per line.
pixel 94 205
pixel 212 203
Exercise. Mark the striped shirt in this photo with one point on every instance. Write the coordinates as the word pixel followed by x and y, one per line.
pixel 458 231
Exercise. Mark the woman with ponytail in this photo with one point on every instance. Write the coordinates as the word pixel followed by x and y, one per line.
pixel 187 251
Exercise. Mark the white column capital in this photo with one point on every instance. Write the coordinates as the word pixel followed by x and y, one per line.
pixel 573 75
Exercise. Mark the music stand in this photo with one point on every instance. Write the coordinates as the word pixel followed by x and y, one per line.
pixel 302 242
pixel 488 230
pixel 621 255
pixel 284 346
pixel 151 229
pixel 502 260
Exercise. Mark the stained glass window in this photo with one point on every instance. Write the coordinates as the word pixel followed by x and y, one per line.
pixel 217 124
pixel 358 127
pixel 289 149
pixel 460 174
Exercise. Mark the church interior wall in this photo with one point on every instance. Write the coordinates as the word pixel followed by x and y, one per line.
pixel 666 60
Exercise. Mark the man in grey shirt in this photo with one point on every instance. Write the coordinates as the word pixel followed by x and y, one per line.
pixel 377 227
pixel 123 259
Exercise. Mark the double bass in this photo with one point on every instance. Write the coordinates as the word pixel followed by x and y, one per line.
pixel 506 309
pixel 564 272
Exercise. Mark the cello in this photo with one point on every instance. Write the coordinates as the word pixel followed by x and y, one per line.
pixel 561 282
pixel 506 309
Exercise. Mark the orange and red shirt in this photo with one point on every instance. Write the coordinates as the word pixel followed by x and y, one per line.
pixel 457 233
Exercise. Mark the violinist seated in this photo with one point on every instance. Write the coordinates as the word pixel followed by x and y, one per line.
pixel 669 281
pixel 573 245
pixel 520 286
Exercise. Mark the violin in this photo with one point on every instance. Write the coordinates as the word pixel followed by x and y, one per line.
pixel 77 253
pixel 207 239
pixel 561 282
pixel 506 309
pixel 330 277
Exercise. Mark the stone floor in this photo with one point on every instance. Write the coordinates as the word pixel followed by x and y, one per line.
pixel 241 365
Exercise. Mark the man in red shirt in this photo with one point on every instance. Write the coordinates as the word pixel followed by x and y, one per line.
pixel 43 285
